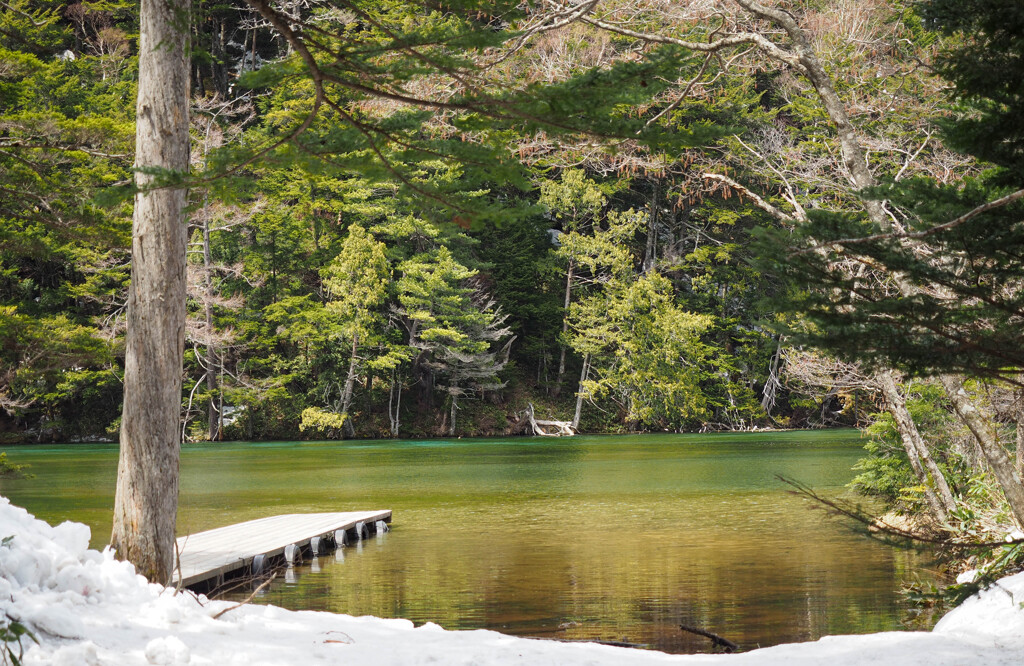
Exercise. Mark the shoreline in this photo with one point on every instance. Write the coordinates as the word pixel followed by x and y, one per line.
pixel 428 438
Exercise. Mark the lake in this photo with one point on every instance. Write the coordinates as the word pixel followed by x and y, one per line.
pixel 608 537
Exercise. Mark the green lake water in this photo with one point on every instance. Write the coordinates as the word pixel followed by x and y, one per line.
pixel 617 538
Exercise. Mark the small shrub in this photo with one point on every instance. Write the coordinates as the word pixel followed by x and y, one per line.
pixel 9 470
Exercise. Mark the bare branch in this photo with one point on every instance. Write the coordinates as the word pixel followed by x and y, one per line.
pixel 966 217
pixel 753 196
pixel 768 47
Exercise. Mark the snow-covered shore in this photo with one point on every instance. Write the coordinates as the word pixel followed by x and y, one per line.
pixel 88 609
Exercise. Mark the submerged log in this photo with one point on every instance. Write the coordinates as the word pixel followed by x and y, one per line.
pixel 717 641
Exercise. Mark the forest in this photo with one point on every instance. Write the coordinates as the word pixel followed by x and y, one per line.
pixel 419 219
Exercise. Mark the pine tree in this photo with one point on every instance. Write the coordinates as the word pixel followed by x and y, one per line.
pixel 357 282
pixel 460 339
pixel 66 143
pixel 641 350
pixel 576 203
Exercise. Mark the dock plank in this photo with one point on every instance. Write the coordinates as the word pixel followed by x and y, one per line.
pixel 206 555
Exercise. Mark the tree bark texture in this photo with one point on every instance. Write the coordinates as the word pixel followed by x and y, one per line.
pixel 1018 417
pixel 998 460
pixel 146 500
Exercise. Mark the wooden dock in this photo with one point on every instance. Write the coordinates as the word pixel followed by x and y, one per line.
pixel 207 557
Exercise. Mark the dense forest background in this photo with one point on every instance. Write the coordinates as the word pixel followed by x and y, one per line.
pixel 619 213
pixel 426 295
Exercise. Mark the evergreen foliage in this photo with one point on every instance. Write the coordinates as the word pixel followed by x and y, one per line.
pixel 450 143
pixel 885 472
pixel 67 132
pixel 985 67
pixel 9 470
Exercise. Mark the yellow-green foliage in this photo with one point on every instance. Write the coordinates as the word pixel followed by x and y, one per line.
pixel 9 470
pixel 321 421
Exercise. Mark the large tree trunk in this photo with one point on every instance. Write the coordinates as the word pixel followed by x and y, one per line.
pixel 146 501
pixel 998 460
pixel 936 490
pixel 1018 417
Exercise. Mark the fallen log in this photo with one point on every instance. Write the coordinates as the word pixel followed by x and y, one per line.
pixel 543 428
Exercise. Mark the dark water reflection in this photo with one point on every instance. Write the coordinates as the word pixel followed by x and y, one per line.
pixel 619 538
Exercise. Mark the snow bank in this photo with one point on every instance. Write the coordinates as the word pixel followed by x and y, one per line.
pixel 88 609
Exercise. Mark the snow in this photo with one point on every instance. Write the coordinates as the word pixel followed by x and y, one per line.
pixel 88 609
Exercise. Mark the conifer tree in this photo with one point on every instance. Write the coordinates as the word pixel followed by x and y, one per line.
pixel 576 203
pixel 357 282
pixel 640 349
pixel 66 137
pixel 460 339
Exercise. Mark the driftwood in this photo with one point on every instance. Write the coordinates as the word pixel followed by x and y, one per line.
pixel 549 428
pixel 716 640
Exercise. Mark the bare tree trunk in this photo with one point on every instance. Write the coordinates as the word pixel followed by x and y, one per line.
pixel 252 53
pixel 579 393
pixel 651 250
pixel 772 383
pixel 936 490
pixel 213 420
pixel 220 405
pixel 565 330
pixel 1018 414
pixel 451 422
pixel 396 390
pixel 146 500
pixel 998 460
pixel 849 142
pixel 348 431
